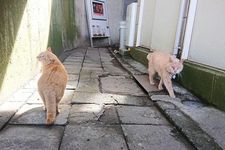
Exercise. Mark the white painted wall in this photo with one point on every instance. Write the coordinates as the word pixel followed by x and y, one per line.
pixel 115 12
pixel 208 38
pixel 146 23
pixel 165 25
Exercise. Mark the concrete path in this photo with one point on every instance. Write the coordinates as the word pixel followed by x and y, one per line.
pixel 103 109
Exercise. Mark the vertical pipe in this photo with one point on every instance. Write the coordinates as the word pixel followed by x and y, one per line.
pixel 189 29
pixel 179 26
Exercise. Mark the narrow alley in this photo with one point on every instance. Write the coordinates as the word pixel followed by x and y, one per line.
pixel 103 108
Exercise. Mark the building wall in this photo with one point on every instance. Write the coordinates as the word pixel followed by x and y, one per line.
pixel 147 22
pixel 165 25
pixel 27 27
pixel 115 14
pixel 159 24
pixel 207 43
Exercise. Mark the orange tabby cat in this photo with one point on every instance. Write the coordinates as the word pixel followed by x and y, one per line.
pixel 52 83
pixel 167 66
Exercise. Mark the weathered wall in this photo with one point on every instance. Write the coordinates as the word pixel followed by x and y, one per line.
pixel 63 30
pixel 159 24
pixel 24 33
pixel 115 12
pixel 165 25
pixel 147 22
pixel 207 43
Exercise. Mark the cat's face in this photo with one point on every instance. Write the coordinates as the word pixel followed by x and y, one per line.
pixel 46 57
pixel 177 66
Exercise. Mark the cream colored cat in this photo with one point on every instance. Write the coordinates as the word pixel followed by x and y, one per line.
pixel 52 83
pixel 166 66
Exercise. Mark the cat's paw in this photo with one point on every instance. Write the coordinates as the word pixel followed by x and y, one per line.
pixel 50 119
pixel 152 82
pixel 160 87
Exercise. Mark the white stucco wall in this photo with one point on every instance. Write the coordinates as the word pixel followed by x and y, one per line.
pixel 165 25
pixel 147 22
pixel 115 12
pixel 208 37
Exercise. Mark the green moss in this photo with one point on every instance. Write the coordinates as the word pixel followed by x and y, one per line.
pixel 62 30
pixel 206 82
pixel 139 55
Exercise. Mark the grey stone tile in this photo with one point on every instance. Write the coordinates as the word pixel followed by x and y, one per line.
pixel 72 85
pixel 85 113
pixel 88 86
pixel 89 136
pixel 90 65
pixel 73 77
pixel 132 100
pixel 67 97
pixel 103 98
pixel 147 137
pixel 35 99
pixel 92 98
pixel 109 115
pixel 28 137
pixel 144 82
pixel 7 110
pixel 114 70
pixel 20 96
pixel 120 85
pixel 140 115
pixel 35 115
pixel 73 70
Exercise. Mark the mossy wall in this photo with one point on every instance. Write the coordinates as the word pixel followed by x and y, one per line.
pixel 206 82
pixel 27 27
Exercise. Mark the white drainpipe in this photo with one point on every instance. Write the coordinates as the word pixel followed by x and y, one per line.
pixel 189 29
pixel 179 26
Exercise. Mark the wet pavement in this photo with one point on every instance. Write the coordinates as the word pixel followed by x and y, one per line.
pixel 105 107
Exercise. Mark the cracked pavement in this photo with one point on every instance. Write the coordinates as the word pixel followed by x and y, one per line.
pixel 103 108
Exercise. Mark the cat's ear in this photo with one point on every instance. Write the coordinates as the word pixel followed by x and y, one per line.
pixel 49 49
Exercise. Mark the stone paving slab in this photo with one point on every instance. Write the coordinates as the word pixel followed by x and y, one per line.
pixel 148 137
pixel 109 115
pixel 211 120
pixel 103 98
pixel 144 82
pixel 35 115
pixel 85 113
pixel 87 75
pixel 186 124
pixel 72 85
pixel 73 77
pixel 120 85
pixel 89 65
pixel 30 138
pixel 73 70
pixel 20 96
pixel 88 86
pixel 114 70
pixel 140 115
pixel 94 137
pixel 7 110
pixel 36 99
